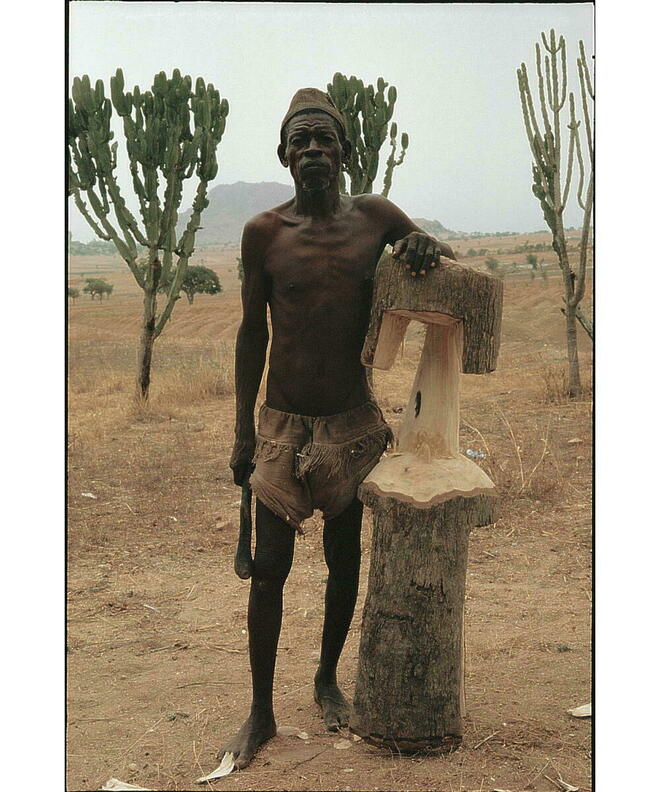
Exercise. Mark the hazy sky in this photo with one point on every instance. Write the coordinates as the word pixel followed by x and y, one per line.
pixel 454 66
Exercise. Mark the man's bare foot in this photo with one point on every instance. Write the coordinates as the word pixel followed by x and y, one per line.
pixel 256 730
pixel 334 706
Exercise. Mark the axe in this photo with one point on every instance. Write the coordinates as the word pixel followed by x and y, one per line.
pixel 243 563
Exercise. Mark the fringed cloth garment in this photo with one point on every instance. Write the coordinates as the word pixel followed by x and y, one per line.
pixel 306 462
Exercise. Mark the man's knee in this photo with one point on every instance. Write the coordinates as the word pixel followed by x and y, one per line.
pixel 341 543
pixel 342 556
pixel 270 570
pixel 274 550
pixel 346 573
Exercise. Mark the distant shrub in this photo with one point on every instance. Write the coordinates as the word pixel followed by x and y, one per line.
pixel 97 287
pixel 97 247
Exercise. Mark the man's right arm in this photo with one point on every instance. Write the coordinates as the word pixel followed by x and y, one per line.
pixel 251 344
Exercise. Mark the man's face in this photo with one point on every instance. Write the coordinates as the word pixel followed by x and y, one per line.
pixel 312 150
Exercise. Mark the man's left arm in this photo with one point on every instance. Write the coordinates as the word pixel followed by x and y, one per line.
pixel 418 250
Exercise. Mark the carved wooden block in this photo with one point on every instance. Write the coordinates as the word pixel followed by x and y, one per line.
pixel 425 497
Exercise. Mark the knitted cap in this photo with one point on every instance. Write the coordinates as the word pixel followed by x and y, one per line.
pixel 312 99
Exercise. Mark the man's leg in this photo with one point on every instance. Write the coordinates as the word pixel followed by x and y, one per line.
pixel 341 545
pixel 272 562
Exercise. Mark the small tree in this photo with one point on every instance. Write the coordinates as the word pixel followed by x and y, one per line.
pixel 547 173
pixel 200 280
pixel 72 292
pixel 171 132
pixel 197 280
pixel 367 113
pixel 492 263
pixel 97 287
pixel 532 263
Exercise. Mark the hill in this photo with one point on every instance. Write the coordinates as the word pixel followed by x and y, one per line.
pixel 434 227
pixel 231 206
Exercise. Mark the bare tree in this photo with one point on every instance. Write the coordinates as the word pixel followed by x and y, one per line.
pixel 547 173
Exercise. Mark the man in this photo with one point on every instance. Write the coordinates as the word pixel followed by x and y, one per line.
pixel 311 261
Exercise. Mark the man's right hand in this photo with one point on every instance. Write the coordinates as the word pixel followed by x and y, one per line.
pixel 241 461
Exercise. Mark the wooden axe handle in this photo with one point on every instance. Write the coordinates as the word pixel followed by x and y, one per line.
pixel 243 564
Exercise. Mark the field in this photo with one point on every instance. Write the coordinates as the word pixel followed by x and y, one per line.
pixel 156 651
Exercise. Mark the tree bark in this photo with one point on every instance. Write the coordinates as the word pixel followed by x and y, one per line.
pixel 455 291
pixel 409 692
pixel 574 385
pixel 145 350
pixel 584 320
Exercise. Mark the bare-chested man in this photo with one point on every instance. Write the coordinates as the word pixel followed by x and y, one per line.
pixel 311 261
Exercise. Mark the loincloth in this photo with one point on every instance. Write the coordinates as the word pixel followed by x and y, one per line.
pixel 305 462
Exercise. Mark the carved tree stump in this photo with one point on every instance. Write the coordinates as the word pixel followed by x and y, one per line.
pixel 425 499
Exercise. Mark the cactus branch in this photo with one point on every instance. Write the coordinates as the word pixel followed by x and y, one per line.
pixel 562 45
pixel 574 134
pixel 528 106
pixel 584 78
pixel 367 111
pixel 583 58
pixel 578 152
pixel 584 243
pixel 184 250
pixel 392 160
pixel 82 208
pixel 539 76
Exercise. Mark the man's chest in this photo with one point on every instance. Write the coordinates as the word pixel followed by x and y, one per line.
pixel 337 259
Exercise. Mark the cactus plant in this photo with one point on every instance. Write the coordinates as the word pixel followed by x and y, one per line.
pixel 367 112
pixel 171 132
pixel 547 172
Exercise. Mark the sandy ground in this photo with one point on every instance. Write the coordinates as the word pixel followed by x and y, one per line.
pixel 156 652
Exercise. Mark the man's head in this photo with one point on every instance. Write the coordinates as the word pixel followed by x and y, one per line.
pixel 311 99
pixel 313 140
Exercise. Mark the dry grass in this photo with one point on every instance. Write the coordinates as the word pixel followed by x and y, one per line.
pixel 554 377
pixel 181 375
pixel 521 469
pixel 555 383
pixel 205 376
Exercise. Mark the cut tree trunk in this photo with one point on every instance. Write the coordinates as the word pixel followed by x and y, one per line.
pixel 409 689
pixel 425 497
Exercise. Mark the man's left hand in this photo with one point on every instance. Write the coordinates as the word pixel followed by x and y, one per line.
pixel 419 252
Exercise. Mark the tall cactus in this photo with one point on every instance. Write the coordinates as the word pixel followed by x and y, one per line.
pixel 367 112
pixel 545 143
pixel 171 132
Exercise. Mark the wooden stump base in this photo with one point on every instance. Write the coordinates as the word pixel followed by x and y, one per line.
pixel 433 745
pixel 409 685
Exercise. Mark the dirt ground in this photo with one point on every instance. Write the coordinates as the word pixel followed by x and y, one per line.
pixel 157 645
